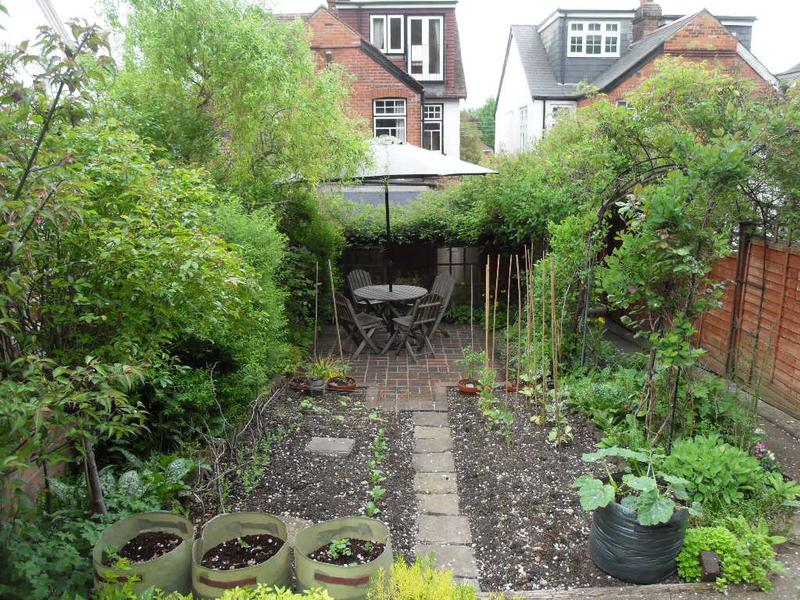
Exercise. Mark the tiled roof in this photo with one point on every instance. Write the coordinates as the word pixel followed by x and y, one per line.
pixel 538 71
pixel 792 74
pixel 640 50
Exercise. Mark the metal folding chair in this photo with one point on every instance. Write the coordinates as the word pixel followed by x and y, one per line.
pixel 416 326
pixel 358 327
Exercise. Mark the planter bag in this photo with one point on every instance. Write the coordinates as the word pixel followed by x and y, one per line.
pixel 169 572
pixel 342 583
pixel 621 547
pixel 212 583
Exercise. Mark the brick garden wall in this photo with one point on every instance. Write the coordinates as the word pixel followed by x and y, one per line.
pixel 761 346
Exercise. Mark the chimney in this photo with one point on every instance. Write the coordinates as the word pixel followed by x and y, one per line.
pixel 646 19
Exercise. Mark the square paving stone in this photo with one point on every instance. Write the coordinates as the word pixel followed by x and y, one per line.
pixel 330 446
pixel 434 462
pixel 436 529
pixel 438 504
pixel 458 559
pixel 431 433
pixel 431 419
pixel 425 445
pixel 435 483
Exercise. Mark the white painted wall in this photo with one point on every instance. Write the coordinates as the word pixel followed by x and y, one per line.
pixel 451 124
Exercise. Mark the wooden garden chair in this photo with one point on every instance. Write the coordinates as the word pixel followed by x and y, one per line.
pixel 443 287
pixel 359 278
pixel 416 326
pixel 359 327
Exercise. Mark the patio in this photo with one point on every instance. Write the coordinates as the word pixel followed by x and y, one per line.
pixel 396 383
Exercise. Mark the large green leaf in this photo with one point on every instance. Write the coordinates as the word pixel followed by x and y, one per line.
pixel 594 493
pixel 654 509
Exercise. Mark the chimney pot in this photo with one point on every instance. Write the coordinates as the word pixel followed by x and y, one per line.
pixel 646 19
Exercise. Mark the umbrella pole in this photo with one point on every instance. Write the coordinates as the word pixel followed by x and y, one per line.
pixel 389 253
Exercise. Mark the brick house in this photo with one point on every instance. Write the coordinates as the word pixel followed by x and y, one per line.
pixel 613 51
pixel 405 61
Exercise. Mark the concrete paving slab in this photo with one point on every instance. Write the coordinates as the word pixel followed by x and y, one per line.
pixel 431 419
pixel 330 446
pixel 425 445
pixel 441 529
pixel 431 433
pixel 435 483
pixel 458 559
pixel 435 462
pixel 438 504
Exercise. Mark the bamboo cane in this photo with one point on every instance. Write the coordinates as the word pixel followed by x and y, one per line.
pixel 471 307
pixel 532 327
pixel 335 311
pixel 519 320
pixel 508 314
pixel 316 306
pixel 496 299
pixel 545 374
pixel 486 293
pixel 554 341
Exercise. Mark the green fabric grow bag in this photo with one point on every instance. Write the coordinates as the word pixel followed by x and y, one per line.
pixel 212 583
pixel 342 583
pixel 170 572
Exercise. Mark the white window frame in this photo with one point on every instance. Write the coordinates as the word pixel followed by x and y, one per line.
pixel 604 33
pixel 553 108
pixel 429 117
pixel 420 50
pixel 379 112
pixel 523 128
pixel 385 44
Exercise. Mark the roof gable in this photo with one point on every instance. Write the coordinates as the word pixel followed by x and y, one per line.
pixel 538 70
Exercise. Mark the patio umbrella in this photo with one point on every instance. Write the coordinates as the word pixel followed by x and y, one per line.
pixel 392 160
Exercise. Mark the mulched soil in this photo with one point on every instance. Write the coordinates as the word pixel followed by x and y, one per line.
pixel 528 528
pixel 147 546
pixel 316 487
pixel 363 551
pixel 246 551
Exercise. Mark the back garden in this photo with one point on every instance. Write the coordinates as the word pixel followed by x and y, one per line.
pixel 168 264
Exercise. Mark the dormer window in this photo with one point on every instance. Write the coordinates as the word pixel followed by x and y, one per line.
pixel 593 38
pixel 426 48
pixel 387 33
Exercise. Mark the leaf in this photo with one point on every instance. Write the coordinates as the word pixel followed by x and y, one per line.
pixel 641 484
pixel 654 509
pixel 130 484
pixel 594 493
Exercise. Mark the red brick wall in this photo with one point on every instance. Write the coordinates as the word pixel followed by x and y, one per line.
pixel 702 39
pixel 369 79
pixel 359 20
pixel 767 349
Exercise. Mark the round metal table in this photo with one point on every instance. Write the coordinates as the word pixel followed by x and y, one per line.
pixel 399 294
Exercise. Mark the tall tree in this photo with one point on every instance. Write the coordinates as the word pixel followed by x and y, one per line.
pixel 484 117
pixel 471 144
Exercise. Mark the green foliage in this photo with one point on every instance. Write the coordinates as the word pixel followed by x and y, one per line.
pixel 746 553
pixel 339 548
pixel 326 367
pixel 471 144
pixel 264 592
pixel 716 473
pixel 472 362
pixel 484 117
pixel 418 580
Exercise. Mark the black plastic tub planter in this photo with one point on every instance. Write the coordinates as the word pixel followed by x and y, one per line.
pixel 209 582
pixel 622 547
pixel 341 582
pixel 170 572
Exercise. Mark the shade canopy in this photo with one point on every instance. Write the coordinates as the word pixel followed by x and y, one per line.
pixel 391 159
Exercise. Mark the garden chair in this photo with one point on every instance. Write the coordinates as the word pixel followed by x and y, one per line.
pixel 416 326
pixel 443 287
pixel 359 327
pixel 359 278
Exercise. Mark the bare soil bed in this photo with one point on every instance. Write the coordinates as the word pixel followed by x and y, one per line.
pixel 319 487
pixel 147 546
pixel 246 551
pixel 528 529
pixel 361 552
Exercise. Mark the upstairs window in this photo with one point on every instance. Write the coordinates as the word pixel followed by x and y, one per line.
pixel 387 33
pixel 593 38
pixel 389 118
pixel 426 48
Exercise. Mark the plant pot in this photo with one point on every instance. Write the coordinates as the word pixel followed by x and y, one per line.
pixel 340 386
pixel 316 387
pixel 631 552
pixel 513 386
pixel 212 583
pixel 468 386
pixel 298 383
pixel 170 572
pixel 342 583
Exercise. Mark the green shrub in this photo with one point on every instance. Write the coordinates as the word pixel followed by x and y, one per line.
pixel 718 474
pixel 264 592
pixel 746 554
pixel 417 581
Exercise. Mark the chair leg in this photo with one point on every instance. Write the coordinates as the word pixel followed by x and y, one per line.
pixel 389 343
pixel 430 346
pixel 368 333
pixel 361 347
pixel 410 350
pixel 403 341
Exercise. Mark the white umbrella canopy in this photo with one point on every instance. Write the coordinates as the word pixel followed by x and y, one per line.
pixel 391 159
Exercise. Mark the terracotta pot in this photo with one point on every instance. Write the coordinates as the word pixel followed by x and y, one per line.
pixel 468 386
pixel 334 386
pixel 298 383
pixel 511 386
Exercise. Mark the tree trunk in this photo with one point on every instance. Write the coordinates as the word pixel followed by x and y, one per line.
pixel 96 502
pixel 650 399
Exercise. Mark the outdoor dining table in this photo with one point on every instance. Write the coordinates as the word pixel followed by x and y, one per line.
pixel 400 294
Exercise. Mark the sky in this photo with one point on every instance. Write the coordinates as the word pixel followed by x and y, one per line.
pixel 483 26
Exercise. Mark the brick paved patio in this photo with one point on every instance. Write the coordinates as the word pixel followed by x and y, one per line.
pixel 397 383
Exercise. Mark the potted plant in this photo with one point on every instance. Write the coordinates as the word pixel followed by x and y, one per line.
pixel 317 374
pixel 639 517
pixel 341 555
pixel 155 547
pixel 240 549
pixel 471 363
pixel 338 380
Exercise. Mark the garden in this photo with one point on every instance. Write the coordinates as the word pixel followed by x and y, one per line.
pixel 178 415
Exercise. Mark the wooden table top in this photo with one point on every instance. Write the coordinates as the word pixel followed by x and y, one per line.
pixel 399 293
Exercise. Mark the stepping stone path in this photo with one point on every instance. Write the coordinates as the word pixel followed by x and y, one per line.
pixel 330 446
pixel 441 528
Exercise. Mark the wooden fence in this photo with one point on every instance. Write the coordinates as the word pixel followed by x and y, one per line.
pixel 754 337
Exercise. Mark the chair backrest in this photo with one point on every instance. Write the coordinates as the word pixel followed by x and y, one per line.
pixel 358 278
pixel 443 287
pixel 344 310
pixel 426 311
